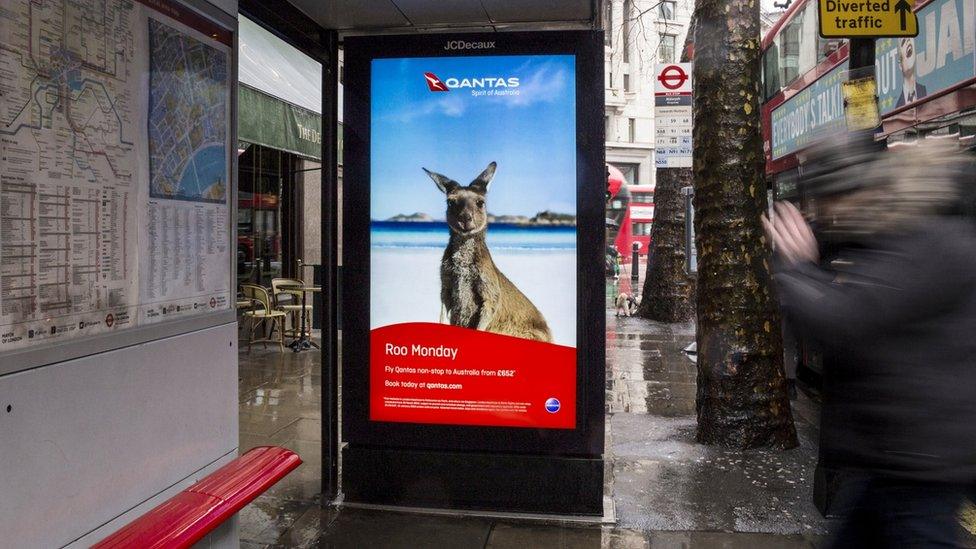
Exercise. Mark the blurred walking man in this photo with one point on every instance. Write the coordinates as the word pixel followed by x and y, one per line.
pixel 895 313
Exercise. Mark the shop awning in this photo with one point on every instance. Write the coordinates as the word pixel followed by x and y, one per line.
pixel 271 122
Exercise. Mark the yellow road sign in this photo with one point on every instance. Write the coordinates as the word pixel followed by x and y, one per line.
pixel 867 18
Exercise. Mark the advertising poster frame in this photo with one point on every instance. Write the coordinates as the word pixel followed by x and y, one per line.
pixel 586 440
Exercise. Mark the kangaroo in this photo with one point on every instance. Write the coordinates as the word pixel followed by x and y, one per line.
pixel 474 293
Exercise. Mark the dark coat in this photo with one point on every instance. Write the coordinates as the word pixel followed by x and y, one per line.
pixel 897 323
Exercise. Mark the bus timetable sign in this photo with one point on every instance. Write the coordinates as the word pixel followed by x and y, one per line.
pixel 672 116
pixel 867 18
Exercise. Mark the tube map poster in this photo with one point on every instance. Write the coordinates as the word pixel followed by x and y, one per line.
pixel 114 168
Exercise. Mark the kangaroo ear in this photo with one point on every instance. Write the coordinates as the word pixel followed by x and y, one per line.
pixel 484 180
pixel 445 184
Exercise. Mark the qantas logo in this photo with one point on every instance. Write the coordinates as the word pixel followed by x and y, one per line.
pixel 435 84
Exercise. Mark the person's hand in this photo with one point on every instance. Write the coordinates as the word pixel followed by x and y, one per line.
pixel 790 234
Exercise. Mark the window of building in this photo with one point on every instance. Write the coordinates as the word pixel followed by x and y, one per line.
pixel 625 46
pixel 666 10
pixel 631 130
pixel 666 48
pixel 641 228
pixel 611 79
pixel 608 23
pixel 626 82
pixel 630 172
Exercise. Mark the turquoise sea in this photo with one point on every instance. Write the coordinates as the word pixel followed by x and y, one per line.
pixel 501 236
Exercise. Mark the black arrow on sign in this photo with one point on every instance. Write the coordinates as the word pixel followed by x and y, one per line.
pixel 903 8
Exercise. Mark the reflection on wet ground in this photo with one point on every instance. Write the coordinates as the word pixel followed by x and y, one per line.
pixel 663 480
pixel 667 490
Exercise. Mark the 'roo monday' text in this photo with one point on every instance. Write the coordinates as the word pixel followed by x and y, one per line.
pixel 419 350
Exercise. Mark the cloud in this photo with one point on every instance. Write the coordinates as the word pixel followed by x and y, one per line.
pixel 446 104
pixel 547 84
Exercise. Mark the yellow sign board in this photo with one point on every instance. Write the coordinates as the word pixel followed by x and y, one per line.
pixel 867 18
pixel 861 104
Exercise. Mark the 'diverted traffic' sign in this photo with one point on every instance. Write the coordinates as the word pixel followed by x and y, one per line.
pixel 867 19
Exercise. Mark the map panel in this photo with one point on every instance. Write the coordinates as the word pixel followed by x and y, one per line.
pixel 84 249
pixel 188 93
pixel 68 132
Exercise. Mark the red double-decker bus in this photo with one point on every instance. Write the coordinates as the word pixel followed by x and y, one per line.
pixel 926 85
pixel 630 213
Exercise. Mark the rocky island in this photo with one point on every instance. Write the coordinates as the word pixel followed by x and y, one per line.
pixel 542 218
pixel 416 217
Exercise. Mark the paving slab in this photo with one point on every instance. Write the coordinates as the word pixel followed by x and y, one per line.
pixel 359 528
pixel 520 536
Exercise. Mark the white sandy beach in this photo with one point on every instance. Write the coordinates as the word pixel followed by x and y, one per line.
pixel 405 285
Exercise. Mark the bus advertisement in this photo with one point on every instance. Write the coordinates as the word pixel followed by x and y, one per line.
pixel 925 84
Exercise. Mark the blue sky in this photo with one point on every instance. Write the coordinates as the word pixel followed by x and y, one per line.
pixel 532 136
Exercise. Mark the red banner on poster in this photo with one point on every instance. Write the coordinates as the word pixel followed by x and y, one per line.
pixel 441 374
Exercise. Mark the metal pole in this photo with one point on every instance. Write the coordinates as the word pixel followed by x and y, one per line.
pixel 691 257
pixel 862 53
pixel 635 263
pixel 330 266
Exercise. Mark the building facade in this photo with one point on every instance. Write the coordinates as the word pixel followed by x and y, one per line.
pixel 638 35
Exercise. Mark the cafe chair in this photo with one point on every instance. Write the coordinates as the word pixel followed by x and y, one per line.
pixel 290 301
pixel 263 313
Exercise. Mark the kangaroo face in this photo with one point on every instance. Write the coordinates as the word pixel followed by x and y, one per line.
pixel 466 213
pixel 466 210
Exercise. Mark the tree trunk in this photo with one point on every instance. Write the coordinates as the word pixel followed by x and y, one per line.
pixel 669 291
pixel 742 397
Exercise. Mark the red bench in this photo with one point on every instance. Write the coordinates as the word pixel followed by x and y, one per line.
pixel 187 517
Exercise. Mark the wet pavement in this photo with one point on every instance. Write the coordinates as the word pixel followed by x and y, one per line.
pixel 667 490
pixel 663 480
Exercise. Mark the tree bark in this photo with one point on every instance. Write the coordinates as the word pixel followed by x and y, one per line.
pixel 742 398
pixel 669 291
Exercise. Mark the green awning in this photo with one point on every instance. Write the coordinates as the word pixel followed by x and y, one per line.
pixel 270 122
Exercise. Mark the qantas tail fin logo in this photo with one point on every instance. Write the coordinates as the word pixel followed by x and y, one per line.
pixel 435 83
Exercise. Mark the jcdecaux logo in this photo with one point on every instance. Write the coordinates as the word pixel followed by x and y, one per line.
pixel 462 45
pixel 435 84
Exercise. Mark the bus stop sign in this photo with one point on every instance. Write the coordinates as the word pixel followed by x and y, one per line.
pixel 867 18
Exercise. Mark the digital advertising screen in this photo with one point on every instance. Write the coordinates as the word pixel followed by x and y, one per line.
pixel 473 240
pixel 473 314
